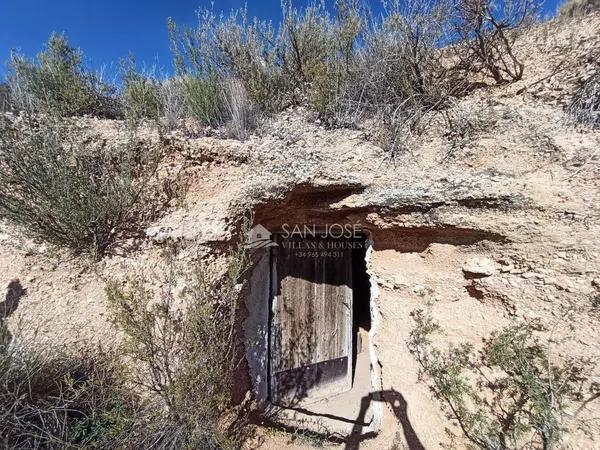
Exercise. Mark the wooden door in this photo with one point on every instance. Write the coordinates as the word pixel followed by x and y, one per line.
pixel 311 326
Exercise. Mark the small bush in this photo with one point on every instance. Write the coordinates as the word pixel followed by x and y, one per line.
pixel 240 110
pixel 306 42
pixel 185 348
pixel 57 83
pixel 140 93
pixel 232 47
pixel 169 387
pixel 204 96
pixel 172 101
pixel 166 100
pixel 509 395
pixel 401 65
pixel 72 194
pixel 585 105
pixel 353 65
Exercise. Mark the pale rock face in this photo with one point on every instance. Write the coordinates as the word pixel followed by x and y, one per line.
pixel 479 267
pixel 158 234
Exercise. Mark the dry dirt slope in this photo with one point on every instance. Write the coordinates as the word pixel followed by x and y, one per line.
pixel 519 187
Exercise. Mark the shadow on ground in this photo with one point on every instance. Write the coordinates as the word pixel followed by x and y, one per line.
pixel 393 398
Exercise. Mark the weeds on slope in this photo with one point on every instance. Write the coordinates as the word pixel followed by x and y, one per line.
pixel 510 394
pixel 348 64
pixel 169 386
pixel 57 83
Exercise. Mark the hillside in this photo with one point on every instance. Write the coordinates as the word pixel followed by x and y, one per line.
pixel 503 184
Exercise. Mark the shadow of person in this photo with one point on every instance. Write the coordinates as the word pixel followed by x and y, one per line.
pixel 399 407
pixel 14 292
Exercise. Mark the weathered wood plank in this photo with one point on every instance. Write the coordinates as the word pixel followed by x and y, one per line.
pixel 312 320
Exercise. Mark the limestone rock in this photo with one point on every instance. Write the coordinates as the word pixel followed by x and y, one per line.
pixel 158 234
pixel 479 268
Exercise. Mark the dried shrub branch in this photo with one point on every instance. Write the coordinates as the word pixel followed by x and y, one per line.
pixel 184 348
pixel 585 105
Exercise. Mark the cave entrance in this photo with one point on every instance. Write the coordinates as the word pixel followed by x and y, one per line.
pixel 319 322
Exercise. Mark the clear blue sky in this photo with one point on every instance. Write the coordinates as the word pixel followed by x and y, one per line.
pixel 110 29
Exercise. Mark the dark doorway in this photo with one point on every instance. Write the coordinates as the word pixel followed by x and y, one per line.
pixel 361 303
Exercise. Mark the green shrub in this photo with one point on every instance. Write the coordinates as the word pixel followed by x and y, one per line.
pixel 352 64
pixel 232 47
pixel 57 83
pixel 205 98
pixel 306 42
pixel 77 195
pixel 168 387
pixel 509 395
pixel 140 93
pixel 331 86
pixel 185 347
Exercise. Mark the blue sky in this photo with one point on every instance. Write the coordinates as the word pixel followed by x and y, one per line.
pixel 110 29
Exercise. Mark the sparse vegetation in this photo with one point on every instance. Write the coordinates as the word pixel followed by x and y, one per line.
pixel 71 193
pixel 53 400
pixel 240 109
pixel 353 65
pixel 5 104
pixel 169 387
pixel 348 66
pixel 57 83
pixel 172 101
pixel 185 349
pixel 204 96
pixel 233 46
pixel 487 32
pixel 140 93
pixel 510 393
